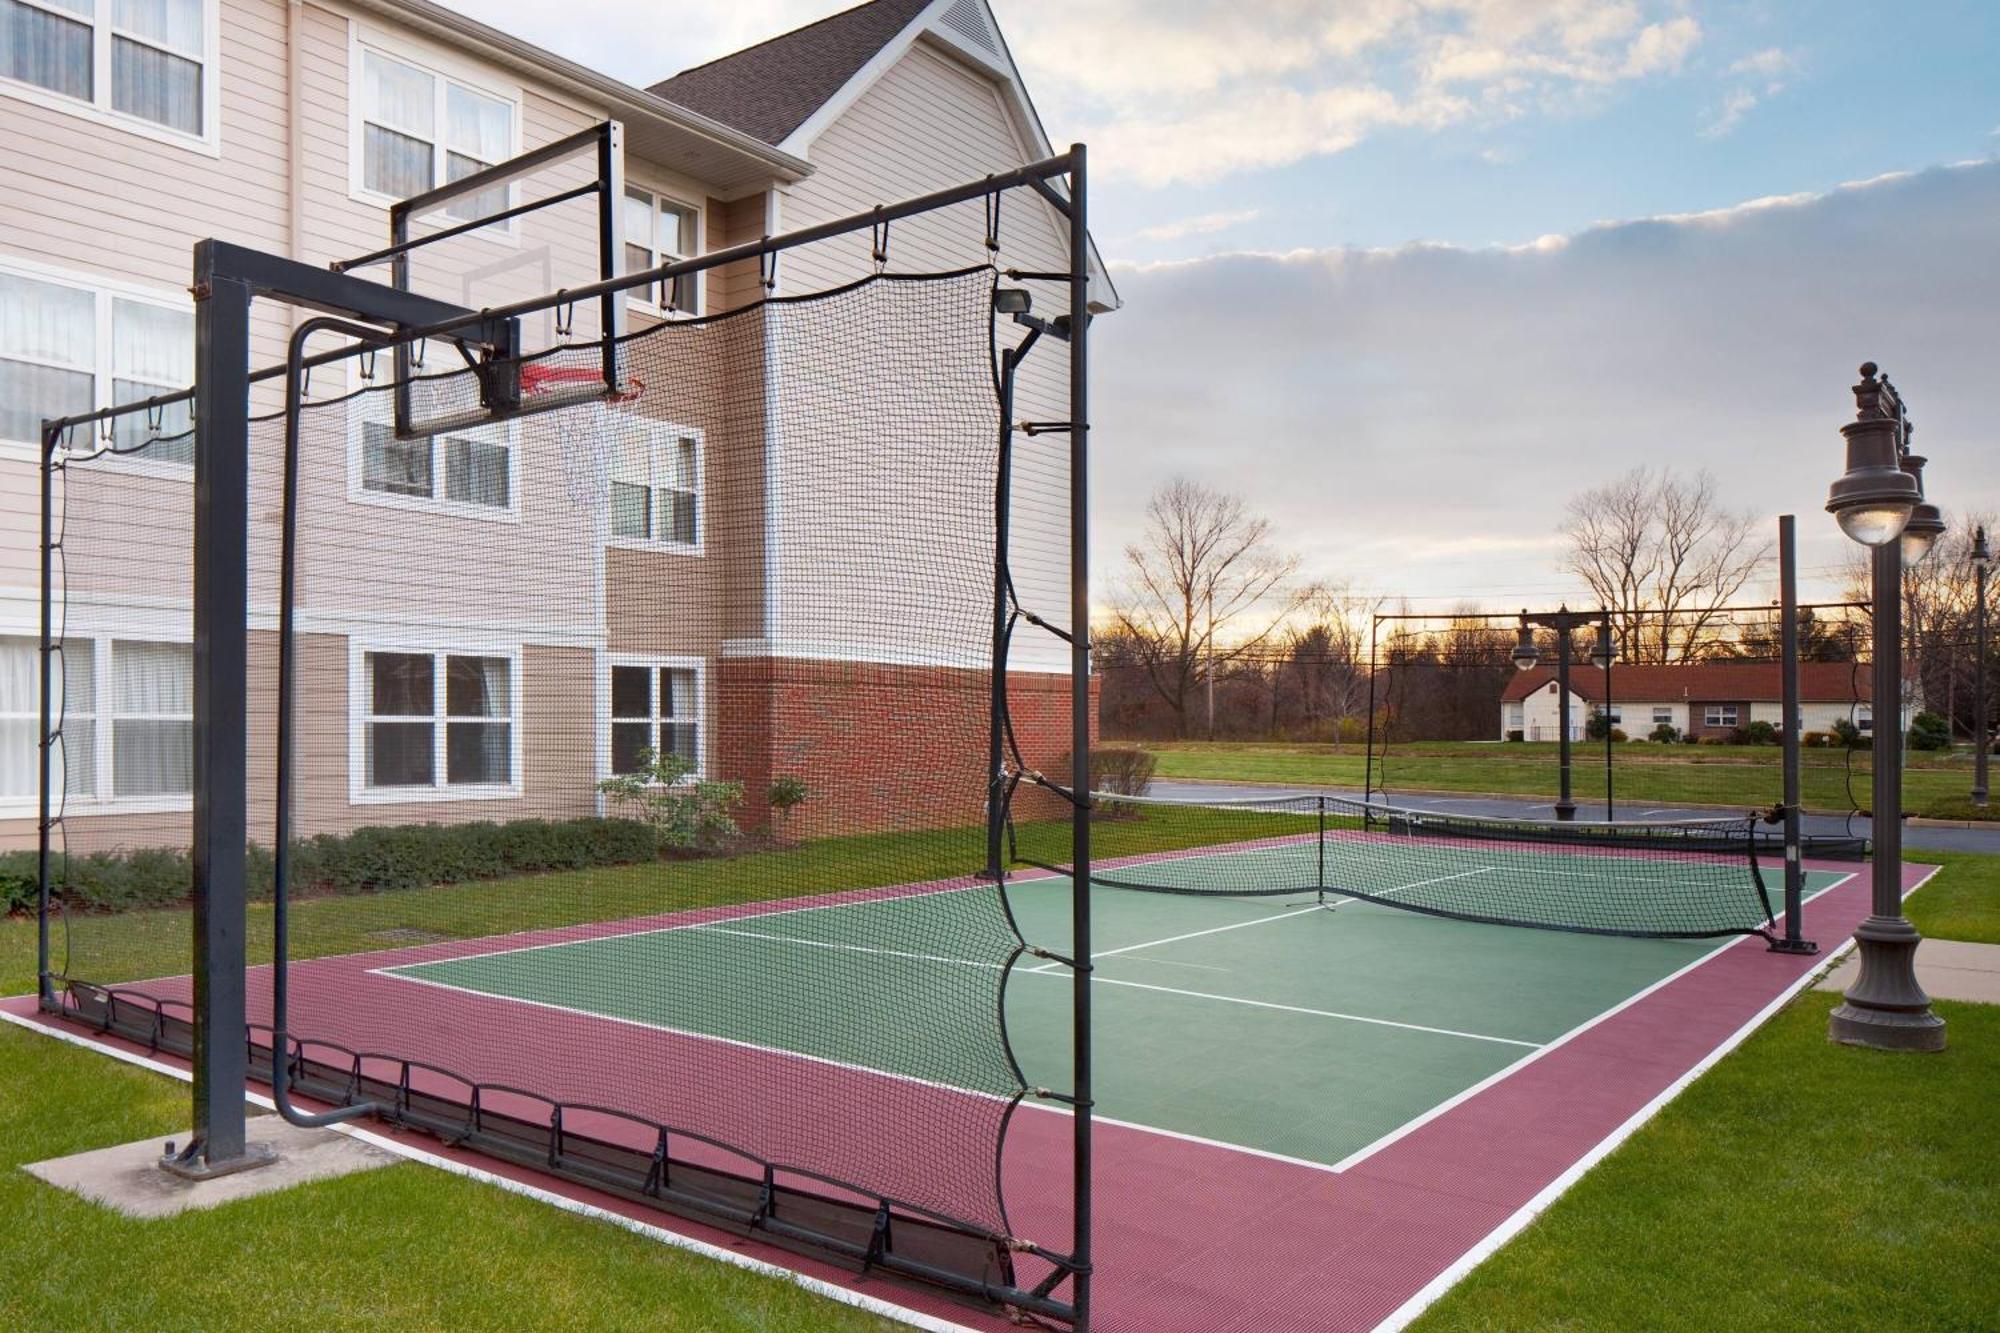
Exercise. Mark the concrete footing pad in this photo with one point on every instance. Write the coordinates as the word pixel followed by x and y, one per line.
pixel 1946 969
pixel 128 1178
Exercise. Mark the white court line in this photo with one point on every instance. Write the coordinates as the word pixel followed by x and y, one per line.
pixel 1316 1013
pixel 1528 1211
pixel 844 948
pixel 652 1231
pixel 1174 939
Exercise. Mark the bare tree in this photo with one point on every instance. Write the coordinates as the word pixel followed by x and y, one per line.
pixel 1663 555
pixel 1326 654
pixel 1938 640
pixel 1205 590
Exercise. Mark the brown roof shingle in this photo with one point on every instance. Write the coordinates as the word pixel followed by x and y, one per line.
pixel 770 89
pixel 1819 682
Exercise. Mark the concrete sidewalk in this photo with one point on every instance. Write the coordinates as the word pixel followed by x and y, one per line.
pixel 1946 969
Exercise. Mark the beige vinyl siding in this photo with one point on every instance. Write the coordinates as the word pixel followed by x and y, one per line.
pixel 929 122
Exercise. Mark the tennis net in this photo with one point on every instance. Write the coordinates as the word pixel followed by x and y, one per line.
pixel 1683 879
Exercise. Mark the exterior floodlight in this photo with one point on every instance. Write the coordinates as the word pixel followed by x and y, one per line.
pixel 1525 653
pixel 1873 498
pixel 1013 300
pixel 1602 654
pixel 1982 557
pixel 1926 524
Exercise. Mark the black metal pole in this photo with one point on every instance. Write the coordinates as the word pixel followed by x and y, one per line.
pixel 1565 806
pixel 1886 1007
pixel 1794 940
pixel 1003 505
pixel 45 809
pixel 1982 735
pixel 611 245
pixel 221 605
pixel 1368 763
pixel 1610 725
pixel 1079 610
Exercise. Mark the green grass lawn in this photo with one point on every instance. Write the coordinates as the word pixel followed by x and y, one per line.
pixel 1732 775
pixel 1962 902
pixel 1798 1184
pixel 405 1246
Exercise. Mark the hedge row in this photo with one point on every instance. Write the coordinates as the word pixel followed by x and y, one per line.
pixel 368 860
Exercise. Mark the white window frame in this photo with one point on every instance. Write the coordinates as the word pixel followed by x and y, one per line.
pixel 105 293
pixel 100 800
pixel 98 108
pixel 376 406
pixel 1712 715
pixel 655 662
pixel 1663 715
pixel 444 69
pixel 359 697
pixel 648 303
pixel 667 435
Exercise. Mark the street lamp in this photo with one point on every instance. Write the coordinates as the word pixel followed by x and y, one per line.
pixel 1925 523
pixel 1564 622
pixel 1885 1008
pixel 1982 737
pixel 1872 500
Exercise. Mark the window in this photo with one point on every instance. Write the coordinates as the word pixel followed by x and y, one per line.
pixel 1663 717
pixel 654 708
pixel 435 721
pixel 152 719
pixel 1719 715
pixel 1614 714
pixel 659 231
pixel 1864 720
pixel 471 471
pixel 145 59
pixel 147 751
pixel 656 490
pixel 67 348
pixel 419 129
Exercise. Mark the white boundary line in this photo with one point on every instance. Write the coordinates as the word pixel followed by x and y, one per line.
pixel 663 1235
pixel 1411 1126
pixel 1533 1208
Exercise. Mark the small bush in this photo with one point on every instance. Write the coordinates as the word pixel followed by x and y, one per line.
pixel 1848 734
pixel 1117 770
pixel 1666 733
pixel 1929 731
pixel 1816 740
pixel 1716 740
pixel 1619 734
pixel 786 795
pixel 688 813
pixel 1690 738
pixel 1755 733
pixel 1517 735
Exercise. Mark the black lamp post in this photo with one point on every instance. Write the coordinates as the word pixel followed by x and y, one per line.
pixel 1563 621
pixel 1876 501
pixel 1982 736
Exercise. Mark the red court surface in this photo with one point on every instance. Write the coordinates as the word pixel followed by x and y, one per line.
pixel 1200 1236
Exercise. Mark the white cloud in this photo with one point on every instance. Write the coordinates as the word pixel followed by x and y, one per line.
pixel 1765 74
pixel 1413 419
pixel 1207 224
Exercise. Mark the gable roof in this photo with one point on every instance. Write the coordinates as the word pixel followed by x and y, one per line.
pixel 770 89
pixel 1702 682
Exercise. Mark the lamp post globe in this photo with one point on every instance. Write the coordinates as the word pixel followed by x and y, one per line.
pixel 1872 500
pixel 1525 653
pixel 1925 524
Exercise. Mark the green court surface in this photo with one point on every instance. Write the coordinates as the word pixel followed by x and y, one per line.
pixel 1272 1024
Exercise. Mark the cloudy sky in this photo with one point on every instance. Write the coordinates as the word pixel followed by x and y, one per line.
pixel 1408 273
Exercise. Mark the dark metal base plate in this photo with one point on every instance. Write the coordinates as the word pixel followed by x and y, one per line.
pixel 193 1167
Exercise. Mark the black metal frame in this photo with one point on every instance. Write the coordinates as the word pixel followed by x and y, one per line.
pixel 227 278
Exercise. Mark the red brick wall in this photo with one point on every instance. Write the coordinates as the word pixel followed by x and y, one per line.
pixel 878 746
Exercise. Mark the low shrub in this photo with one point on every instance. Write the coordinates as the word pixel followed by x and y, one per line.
pixel 1755 733
pixel 1817 740
pixel 367 860
pixel 688 813
pixel 1929 731
pixel 1118 770
pixel 1716 740
pixel 1849 734
pixel 1666 733
pixel 1517 735
pixel 1619 734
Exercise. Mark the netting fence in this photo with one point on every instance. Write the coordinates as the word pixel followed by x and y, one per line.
pixel 632 810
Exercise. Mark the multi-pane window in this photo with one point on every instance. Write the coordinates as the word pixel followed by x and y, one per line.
pixel 437 720
pixel 146 696
pixel 654 709
pixel 1719 715
pixel 152 719
pixel 66 348
pixel 142 58
pixel 1663 717
pixel 420 129
pixel 473 468
pixel 656 489
pixel 659 231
